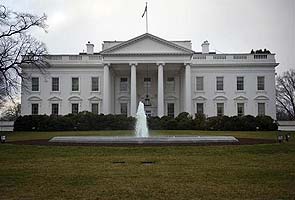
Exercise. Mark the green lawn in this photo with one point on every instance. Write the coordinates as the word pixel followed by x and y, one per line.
pixel 203 172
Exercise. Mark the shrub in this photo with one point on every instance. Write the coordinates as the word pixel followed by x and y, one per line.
pixel 199 123
pixel 266 123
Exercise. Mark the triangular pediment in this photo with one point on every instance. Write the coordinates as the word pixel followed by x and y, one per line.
pixel 54 99
pixel 94 98
pixel 200 98
pixel 240 98
pixel 146 44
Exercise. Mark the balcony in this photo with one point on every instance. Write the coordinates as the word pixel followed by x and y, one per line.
pixel 233 58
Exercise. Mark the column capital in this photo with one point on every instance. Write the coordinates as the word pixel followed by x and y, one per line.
pixel 186 63
pixel 107 64
pixel 133 64
pixel 160 63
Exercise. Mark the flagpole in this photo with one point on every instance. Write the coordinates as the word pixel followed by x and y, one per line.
pixel 146 18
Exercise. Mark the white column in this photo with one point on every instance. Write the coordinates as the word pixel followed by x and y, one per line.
pixel 187 96
pixel 133 90
pixel 106 89
pixel 160 90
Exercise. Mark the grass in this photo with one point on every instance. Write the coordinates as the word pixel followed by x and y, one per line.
pixel 203 172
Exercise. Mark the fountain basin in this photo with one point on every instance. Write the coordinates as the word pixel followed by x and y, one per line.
pixel 145 140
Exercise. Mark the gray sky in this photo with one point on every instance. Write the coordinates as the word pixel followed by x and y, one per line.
pixel 231 26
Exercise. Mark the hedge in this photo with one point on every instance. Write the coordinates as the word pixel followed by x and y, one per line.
pixel 85 121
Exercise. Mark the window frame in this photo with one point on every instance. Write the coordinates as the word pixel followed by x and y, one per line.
pixel 32 111
pixel 72 108
pixel 35 77
pixel 170 113
pixel 98 84
pixel 223 105
pixel 52 109
pixel 243 83
pixel 258 88
pixel 78 84
pixel 243 109
pixel 200 103
pixel 219 77
pixel 264 107
pixel 52 84
pixel 200 90
pixel 124 82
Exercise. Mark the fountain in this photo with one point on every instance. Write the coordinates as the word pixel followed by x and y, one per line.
pixel 142 136
pixel 141 129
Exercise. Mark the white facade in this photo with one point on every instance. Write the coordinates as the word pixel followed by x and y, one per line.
pixel 150 68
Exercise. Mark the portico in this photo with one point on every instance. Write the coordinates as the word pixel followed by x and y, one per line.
pixel 157 73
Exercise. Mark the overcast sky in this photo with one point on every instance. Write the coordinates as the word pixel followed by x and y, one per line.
pixel 231 26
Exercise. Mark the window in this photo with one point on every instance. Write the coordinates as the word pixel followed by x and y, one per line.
pixel 261 109
pixel 75 108
pixel 170 84
pixel 94 108
pixel 220 109
pixel 35 84
pixel 260 82
pixel 55 84
pixel 54 109
pixel 75 84
pixel 94 84
pixel 123 84
pixel 240 109
pixel 219 83
pixel 199 83
pixel 147 82
pixel 240 83
pixel 123 107
pixel 35 109
pixel 200 108
pixel 170 109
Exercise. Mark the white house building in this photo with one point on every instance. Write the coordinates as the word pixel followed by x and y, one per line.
pixel 168 76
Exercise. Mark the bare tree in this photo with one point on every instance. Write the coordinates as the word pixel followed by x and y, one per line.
pixel 286 93
pixel 12 112
pixel 18 48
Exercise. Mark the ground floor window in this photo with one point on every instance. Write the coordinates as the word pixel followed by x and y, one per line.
pixel 54 109
pixel 75 108
pixel 261 109
pixel 94 108
pixel 200 108
pixel 220 109
pixel 35 109
pixel 123 107
pixel 170 109
pixel 240 109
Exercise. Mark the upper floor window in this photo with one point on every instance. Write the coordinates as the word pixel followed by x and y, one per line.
pixel 75 84
pixel 54 109
pixel 123 84
pixel 240 83
pixel 170 84
pixel 240 109
pixel 94 84
pixel 199 83
pixel 261 109
pixel 55 84
pixel 35 84
pixel 219 83
pixel 260 82
pixel 200 108
pixel 220 109
pixel 35 109
pixel 147 82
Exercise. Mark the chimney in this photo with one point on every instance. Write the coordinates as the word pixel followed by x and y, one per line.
pixel 205 47
pixel 89 48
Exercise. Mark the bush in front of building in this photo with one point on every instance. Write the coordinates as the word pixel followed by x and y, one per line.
pixel 85 121
pixel 82 121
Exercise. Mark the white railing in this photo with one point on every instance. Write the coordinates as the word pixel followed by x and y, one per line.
pixel 233 58
pixel 73 58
